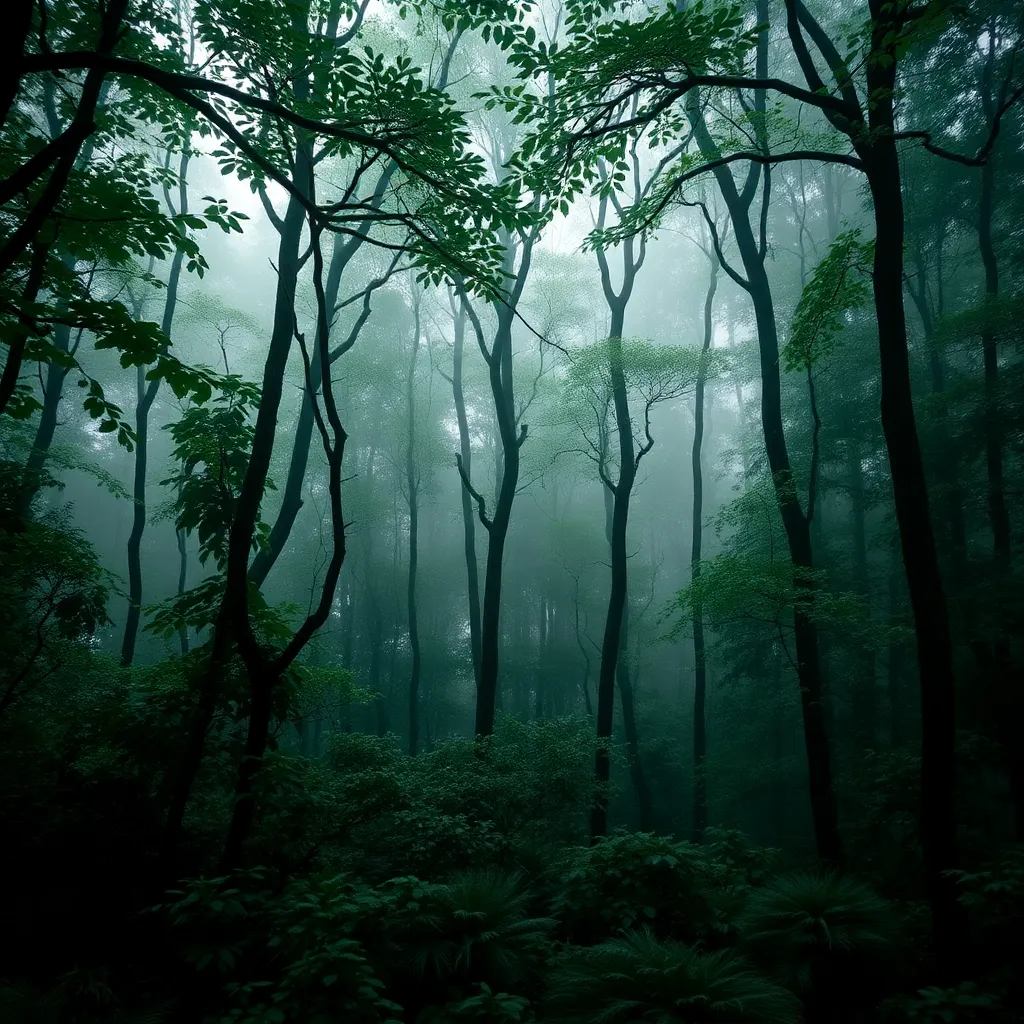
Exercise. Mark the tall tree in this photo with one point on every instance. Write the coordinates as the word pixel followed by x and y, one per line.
pixel 700 670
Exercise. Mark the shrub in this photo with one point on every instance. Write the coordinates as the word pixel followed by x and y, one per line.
pixel 636 979
pixel 477 928
pixel 826 936
pixel 633 879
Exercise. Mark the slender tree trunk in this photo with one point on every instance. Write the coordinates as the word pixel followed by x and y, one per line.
pixel 864 689
pixel 291 496
pixel 611 646
pixel 181 539
pixel 798 537
pixel 499 362
pixel 795 523
pixel 412 484
pixel 997 510
pixel 629 726
pixel 542 654
pixel 468 519
pixel 145 396
pixel 700 740
pixel 246 515
pixel 146 393
pixel 53 391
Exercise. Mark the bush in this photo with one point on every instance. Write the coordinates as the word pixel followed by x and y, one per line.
pixel 637 979
pixel 634 879
pixel 826 936
pixel 476 929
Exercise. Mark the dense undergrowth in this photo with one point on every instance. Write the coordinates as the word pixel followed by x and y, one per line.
pixel 454 886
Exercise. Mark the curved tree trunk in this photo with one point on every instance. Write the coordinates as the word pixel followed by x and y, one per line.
pixel 795 523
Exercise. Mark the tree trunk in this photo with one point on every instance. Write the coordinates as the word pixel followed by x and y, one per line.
pixel 245 519
pixel 19 23
pixel 145 396
pixel 795 523
pixel 412 484
pixel 83 124
pixel 997 511
pixel 629 726
pixel 182 581
pixel 611 645
pixel 700 741
pixel 910 495
pixel 468 519
pixel 500 377
pixel 864 688
pixel 798 537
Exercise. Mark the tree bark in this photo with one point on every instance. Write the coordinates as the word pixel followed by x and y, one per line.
pixel 468 522
pixel 879 153
pixel 499 366
pixel 700 740
pixel 997 510
pixel 611 644
pixel 81 127
pixel 412 484
pixel 19 23
pixel 795 523
pixel 145 396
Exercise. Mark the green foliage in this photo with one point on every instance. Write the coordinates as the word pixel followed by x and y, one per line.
pixel 838 285
pixel 465 802
pixel 54 592
pixel 477 928
pixel 630 880
pixel 284 956
pixel 637 979
pixel 805 923
pixel 212 445
pixel 955 1005
pixel 484 1006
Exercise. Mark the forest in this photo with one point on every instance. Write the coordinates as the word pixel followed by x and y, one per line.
pixel 512 512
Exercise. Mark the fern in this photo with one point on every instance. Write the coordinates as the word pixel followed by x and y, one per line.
pixel 638 979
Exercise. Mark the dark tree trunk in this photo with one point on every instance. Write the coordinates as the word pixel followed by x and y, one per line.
pixel 865 709
pixel 542 657
pixel 145 396
pixel 490 626
pixel 53 391
pixel 611 644
pixel 629 726
pixel 12 50
pixel 68 145
pixel 700 738
pixel 499 365
pixel 291 496
pixel 798 537
pixel 246 515
pixel 412 485
pixel 997 510
pixel 910 494
pixel 146 393
pixel 753 252
pixel 182 581
pixel 468 519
